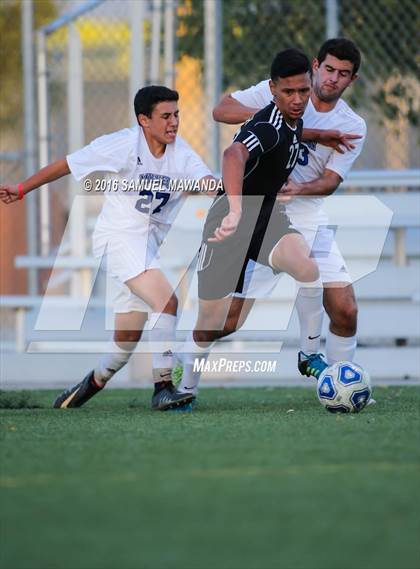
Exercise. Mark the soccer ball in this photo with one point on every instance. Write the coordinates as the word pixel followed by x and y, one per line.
pixel 344 387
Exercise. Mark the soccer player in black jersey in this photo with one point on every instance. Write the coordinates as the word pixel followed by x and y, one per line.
pixel 246 221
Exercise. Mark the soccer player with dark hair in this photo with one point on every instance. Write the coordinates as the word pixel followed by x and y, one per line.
pixel 318 173
pixel 343 49
pixel 130 230
pixel 246 221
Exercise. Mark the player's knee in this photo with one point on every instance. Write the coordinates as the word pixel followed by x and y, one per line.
pixel 344 317
pixel 307 271
pixel 127 339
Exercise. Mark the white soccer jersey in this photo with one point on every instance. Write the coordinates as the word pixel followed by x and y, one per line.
pixel 138 208
pixel 314 158
pixel 127 156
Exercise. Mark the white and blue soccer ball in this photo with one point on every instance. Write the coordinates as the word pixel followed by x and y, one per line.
pixel 344 387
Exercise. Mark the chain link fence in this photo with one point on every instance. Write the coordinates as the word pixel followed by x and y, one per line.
pixel 386 94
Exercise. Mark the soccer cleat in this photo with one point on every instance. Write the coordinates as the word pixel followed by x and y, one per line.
pixel 312 364
pixel 168 398
pixel 183 408
pixel 78 395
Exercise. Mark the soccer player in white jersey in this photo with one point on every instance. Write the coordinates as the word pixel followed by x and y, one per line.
pixel 130 229
pixel 318 173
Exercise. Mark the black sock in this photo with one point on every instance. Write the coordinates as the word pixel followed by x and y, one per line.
pixel 159 385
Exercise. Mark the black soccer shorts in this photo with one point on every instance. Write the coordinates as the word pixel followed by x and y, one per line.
pixel 221 266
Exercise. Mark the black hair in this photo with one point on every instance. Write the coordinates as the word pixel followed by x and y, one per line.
pixel 148 97
pixel 289 62
pixel 341 48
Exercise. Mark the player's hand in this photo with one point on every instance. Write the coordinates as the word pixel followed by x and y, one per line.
pixel 9 194
pixel 289 191
pixel 339 141
pixel 227 228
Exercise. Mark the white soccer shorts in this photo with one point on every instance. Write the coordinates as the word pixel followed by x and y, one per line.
pixel 128 253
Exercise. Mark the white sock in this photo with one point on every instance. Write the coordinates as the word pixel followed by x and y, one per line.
pixel 163 331
pixel 110 363
pixel 190 378
pixel 310 312
pixel 340 348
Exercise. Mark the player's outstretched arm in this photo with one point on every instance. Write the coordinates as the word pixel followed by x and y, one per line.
pixel 54 171
pixel 231 111
pixel 234 161
pixel 339 141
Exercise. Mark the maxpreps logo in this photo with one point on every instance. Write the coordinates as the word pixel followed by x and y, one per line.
pixel 224 365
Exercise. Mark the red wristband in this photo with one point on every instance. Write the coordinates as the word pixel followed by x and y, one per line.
pixel 20 192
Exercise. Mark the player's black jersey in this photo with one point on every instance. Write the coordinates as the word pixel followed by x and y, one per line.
pixel 273 151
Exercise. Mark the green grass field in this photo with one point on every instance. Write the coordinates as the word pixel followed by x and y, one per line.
pixel 254 478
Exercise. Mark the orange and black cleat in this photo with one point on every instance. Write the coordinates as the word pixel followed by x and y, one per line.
pixel 78 395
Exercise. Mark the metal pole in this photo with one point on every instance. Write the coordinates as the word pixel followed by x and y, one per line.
pixel 213 75
pixel 155 42
pixel 71 16
pixel 169 43
pixel 137 79
pixel 331 19
pixel 30 137
pixel 43 141
pixel 77 219
pixel 75 90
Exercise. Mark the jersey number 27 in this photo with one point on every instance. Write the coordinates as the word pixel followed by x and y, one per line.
pixel 294 153
pixel 143 205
